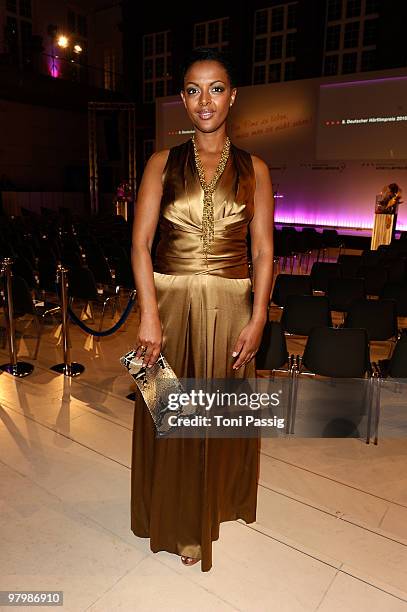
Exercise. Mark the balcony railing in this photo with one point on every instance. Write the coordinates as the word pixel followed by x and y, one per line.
pixel 56 67
pixel 74 70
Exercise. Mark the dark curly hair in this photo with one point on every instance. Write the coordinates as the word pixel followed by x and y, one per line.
pixel 202 54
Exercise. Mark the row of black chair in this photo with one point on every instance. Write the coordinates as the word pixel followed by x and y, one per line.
pixel 303 312
pixel 341 356
pixel 341 292
pixel 289 243
pixel 37 245
pixel 24 304
pixel 352 266
pixel 82 288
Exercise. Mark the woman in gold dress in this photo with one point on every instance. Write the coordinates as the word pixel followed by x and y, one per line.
pixel 195 306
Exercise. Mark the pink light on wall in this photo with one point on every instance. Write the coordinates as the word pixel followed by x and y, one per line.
pixel 307 218
pixel 305 212
pixel 54 67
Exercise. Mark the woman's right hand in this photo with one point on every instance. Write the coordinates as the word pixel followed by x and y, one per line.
pixel 149 337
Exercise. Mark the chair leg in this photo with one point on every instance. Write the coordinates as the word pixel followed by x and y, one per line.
pixel 105 303
pixel 102 316
pixel 91 310
pixel 116 304
pixel 377 412
pixel 289 401
pixel 294 396
pixel 40 325
pixel 369 402
pixel 294 403
pixel 3 333
pixel 392 345
pixel 308 261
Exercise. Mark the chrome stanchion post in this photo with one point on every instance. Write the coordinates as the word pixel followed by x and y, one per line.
pixel 16 368
pixel 122 208
pixel 68 367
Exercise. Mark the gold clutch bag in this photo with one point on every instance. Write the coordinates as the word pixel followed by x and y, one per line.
pixel 155 384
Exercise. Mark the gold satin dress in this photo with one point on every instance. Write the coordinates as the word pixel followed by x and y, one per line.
pixel 182 489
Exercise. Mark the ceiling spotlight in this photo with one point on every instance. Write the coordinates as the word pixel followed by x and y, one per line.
pixel 77 49
pixel 62 41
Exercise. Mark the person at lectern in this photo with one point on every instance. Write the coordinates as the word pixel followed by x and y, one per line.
pixel 387 203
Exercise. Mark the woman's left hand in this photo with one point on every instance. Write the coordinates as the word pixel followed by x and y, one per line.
pixel 248 343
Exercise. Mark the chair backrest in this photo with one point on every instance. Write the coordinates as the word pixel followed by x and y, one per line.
pixel 123 273
pixel 378 317
pixel 82 284
pixel 400 246
pixel 26 250
pixel 312 236
pixel 6 248
pixel 290 284
pixel 375 277
pixel 342 291
pixel 348 264
pixel 22 298
pixel 272 353
pixel 396 269
pixel 47 270
pixel 288 230
pixel 97 262
pixel 384 249
pixel 371 257
pixel 72 259
pixel 286 242
pixel 303 312
pixel 398 361
pixel 397 292
pixel 23 268
pixel 337 352
pixel 321 271
pixel 330 238
pixel 302 243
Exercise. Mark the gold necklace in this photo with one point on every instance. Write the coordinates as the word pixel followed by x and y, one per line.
pixel 209 189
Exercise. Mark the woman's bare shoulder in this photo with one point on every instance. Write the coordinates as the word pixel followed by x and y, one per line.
pixel 261 171
pixel 259 165
pixel 158 160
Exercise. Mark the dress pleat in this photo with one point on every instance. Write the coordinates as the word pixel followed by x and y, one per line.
pixel 182 488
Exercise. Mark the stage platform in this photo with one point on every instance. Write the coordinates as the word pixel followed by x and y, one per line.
pixel 352 237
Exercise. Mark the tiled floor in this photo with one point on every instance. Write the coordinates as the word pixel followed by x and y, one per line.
pixel 331 530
